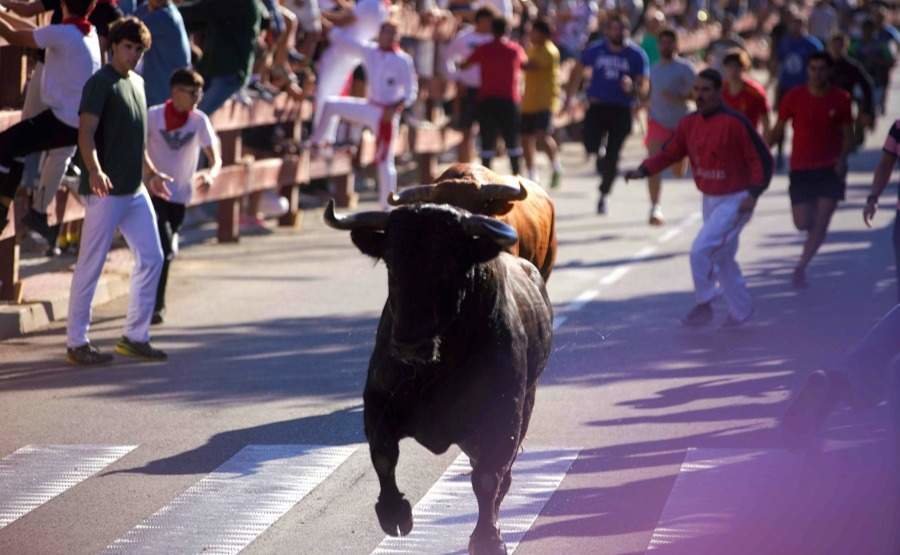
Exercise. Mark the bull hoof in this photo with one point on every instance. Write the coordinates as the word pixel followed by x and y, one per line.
pixel 491 545
pixel 394 516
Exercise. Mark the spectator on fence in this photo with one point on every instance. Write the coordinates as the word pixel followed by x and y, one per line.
pixel 72 55
pixel 468 80
pixel 501 62
pixel 821 119
pixel 575 20
pixel 171 48
pixel 619 77
pixel 309 19
pixel 823 20
pixel 850 75
pixel 655 22
pixel 392 86
pixel 789 62
pixel 111 139
pixel 671 85
pixel 541 100
pixel 360 24
pixel 741 93
pixel 728 40
pixel 176 133
pixel 231 29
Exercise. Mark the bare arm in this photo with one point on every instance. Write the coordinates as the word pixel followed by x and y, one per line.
pixel 574 83
pixel 879 182
pixel 87 128
pixel 776 133
pixel 17 32
pixel 24 9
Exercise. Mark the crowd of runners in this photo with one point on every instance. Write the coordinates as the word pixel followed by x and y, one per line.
pixel 131 85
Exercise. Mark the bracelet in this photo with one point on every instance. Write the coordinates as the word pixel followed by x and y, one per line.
pixel 872 199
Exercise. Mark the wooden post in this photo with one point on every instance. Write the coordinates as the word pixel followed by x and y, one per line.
pixel 10 287
pixel 294 216
pixel 342 190
pixel 229 211
pixel 427 167
pixel 12 86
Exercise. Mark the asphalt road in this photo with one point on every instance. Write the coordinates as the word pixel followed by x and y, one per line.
pixel 645 434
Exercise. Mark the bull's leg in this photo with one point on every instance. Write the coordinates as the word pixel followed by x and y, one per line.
pixel 394 512
pixel 487 481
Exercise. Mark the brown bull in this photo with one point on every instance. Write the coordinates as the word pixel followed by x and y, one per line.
pixel 516 201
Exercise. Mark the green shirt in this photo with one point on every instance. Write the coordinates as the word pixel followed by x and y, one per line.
pixel 231 29
pixel 122 107
pixel 650 44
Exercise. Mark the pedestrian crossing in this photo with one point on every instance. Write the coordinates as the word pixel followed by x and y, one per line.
pixel 233 505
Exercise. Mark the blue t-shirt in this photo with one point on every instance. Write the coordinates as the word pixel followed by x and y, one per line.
pixel 170 50
pixel 608 68
pixel 792 53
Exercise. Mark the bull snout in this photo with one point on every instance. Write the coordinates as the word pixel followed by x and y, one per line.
pixel 419 351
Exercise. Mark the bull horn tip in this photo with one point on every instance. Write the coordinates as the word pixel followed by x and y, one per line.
pixel 394 199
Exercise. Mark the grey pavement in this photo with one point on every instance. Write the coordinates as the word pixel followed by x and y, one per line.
pixel 674 428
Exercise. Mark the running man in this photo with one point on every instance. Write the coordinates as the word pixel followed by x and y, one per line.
pixel 732 167
pixel 540 100
pixel 743 94
pixel 823 137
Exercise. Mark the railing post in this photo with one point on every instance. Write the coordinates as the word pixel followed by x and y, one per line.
pixel 342 190
pixel 10 287
pixel 229 210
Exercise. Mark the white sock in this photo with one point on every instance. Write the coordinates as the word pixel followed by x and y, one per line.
pixel 557 166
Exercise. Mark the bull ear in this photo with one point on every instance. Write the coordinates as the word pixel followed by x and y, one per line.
pixel 484 249
pixel 369 241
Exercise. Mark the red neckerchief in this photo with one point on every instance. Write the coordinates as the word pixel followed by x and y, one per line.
pixel 174 118
pixel 81 22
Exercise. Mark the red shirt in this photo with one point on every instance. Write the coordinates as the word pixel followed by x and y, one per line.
pixel 727 155
pixel 818 123
pixel 501 69
pixel 751 101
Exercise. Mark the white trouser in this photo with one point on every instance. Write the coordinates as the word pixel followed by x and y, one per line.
pixel 362 112
pixel 55 161
pixel 133 215
pixel 713 254
pixel 335 68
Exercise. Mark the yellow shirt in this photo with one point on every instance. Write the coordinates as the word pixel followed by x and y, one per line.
pixel 542 80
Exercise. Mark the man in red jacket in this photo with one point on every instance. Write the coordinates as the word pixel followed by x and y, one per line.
pixel 731 167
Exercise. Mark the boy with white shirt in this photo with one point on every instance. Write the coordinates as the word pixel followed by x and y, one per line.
pixel 72 56
pixel 176 133
pixel 392 86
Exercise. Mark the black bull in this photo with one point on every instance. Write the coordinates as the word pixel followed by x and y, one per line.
pixel 464 335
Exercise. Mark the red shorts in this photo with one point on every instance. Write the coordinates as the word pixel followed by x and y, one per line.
pixel 657 133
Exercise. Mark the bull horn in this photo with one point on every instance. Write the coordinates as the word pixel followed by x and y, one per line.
pixel 364 220
pixel 412 195
pixel 504 191
pixel 483 226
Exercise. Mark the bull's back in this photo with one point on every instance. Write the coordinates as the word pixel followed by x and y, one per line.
pixel 528 291
pixel 534 219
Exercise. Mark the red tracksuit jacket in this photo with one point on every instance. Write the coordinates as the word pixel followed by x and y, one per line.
pixel 727 155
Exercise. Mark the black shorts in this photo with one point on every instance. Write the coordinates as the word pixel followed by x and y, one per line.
pixel 468 97
pixel 535 122
pixel 809 185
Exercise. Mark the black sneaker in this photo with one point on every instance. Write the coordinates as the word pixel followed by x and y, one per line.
pixel 700 315
pixel 601 205
pixel 805 416
pixel 37 222
pixel 158 317
pixel 87 355
pixel 129 348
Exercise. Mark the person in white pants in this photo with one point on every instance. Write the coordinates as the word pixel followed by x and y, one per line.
pixel 340 58
pixel 732 167
pixel 392 84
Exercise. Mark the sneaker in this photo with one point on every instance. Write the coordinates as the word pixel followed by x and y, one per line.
pixel 732 322
pixel 554 179
pixel 601 205
pixel 700 315
pixel 808 410
pixel 158 317
pixel 87 355
pixel 137 349
pixel 656 215
pixel 37 222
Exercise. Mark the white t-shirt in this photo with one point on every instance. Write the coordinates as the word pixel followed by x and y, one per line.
pixel 176 152
pixel 70 60
pixel 370 14
pixel 460 48
pixel 503 7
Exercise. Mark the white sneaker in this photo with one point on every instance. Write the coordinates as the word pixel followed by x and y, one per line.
pixel 656 215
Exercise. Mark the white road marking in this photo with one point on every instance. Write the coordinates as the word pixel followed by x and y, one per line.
pixel 35 474
pixel 621 270
pixel 446 516
pixel 229 508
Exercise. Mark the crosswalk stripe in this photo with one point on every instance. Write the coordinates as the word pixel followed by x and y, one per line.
pixel 446 516
pixel 230 507
pixel 35 474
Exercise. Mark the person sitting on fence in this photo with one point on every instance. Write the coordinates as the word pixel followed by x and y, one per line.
pixel 72 56
pixel 111 140
pixel 176 132
pixel 392 86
